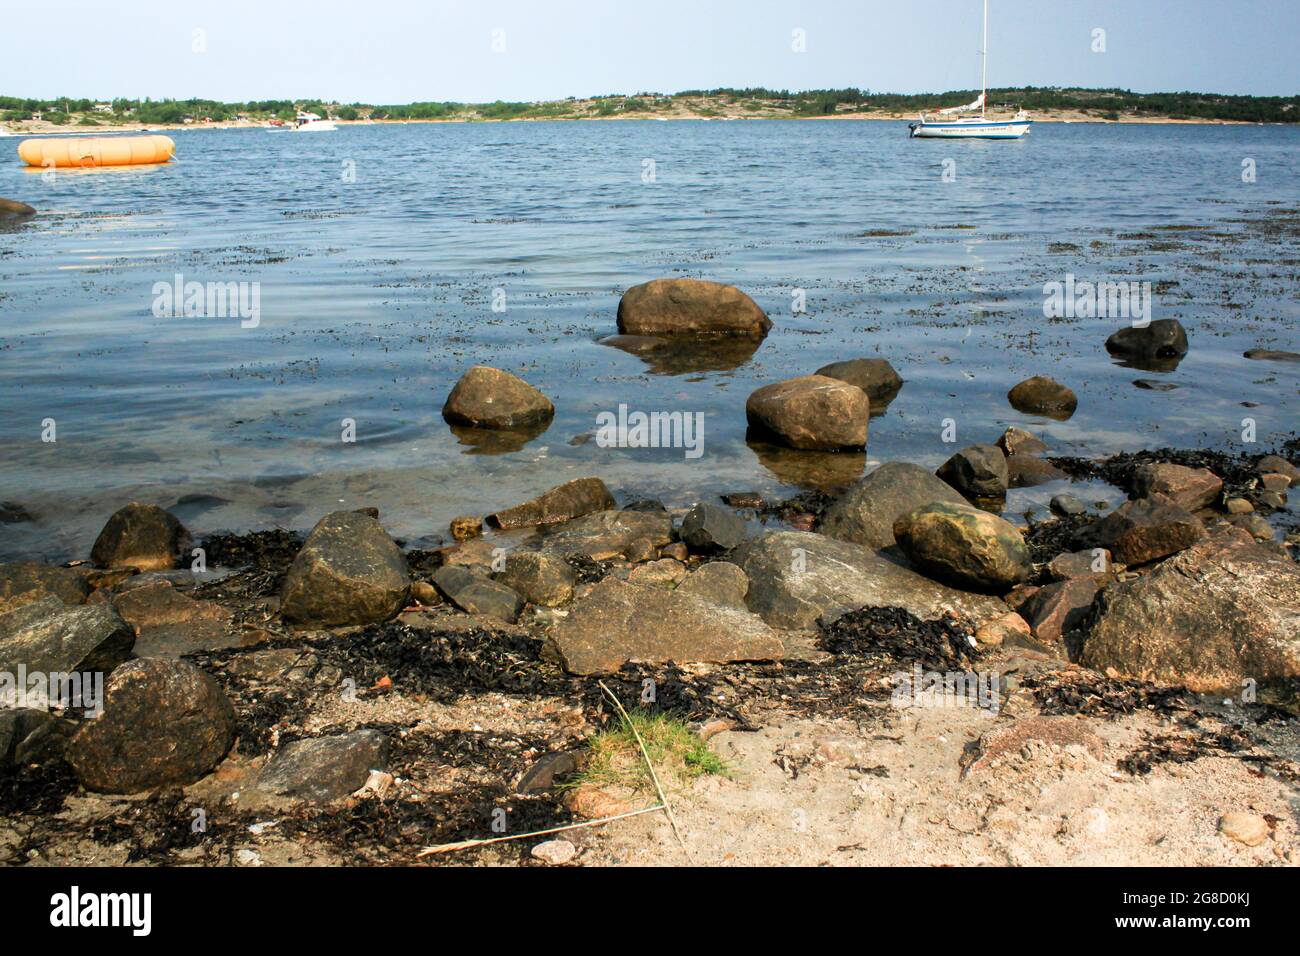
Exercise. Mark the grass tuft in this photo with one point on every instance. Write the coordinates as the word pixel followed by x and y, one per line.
pixel 678 754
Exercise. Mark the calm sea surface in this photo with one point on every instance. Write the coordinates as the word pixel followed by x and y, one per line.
pixel 377 293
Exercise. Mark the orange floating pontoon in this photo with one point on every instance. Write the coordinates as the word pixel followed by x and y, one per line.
pixel 74 151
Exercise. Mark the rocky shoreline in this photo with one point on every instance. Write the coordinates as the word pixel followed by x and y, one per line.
pixel 339 698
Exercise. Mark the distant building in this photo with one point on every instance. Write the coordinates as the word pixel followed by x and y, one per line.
pixel 103 107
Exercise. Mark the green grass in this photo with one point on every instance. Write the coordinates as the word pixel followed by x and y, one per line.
pixel 678 754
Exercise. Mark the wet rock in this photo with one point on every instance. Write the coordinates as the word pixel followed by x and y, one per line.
pixel 876 377
pixel 491 399
pixel 466 527
pixel 1276 464
pixel 606 534
pixel 324 769
pixel 814 412
pixel 795 577
pixel 1274 482
pixel 866 513
pixel 744 499
pixel 1247 828
pixel 1151 385
pixel 475 553
pixel 12 513
pixel 710 528
pixel 546 772
pixel 1188 488
pixel 1025 471
pixel 619 622
pixel 1224 610
pixel 1143 530
pixel 1271 499
pixel 998 631
pixel 42 580
pixel 554 852
pixel 1067 506
pixel 164 723
pixel 48 636
pixel 690 307
pixel 677 551
pixel 978 471
pixel 140 536
pixel 1272 355
pixel 544 579
pixel 12 207
pixel 475 593
pixel 1081 564
pixel 1161 339
pixel 1041 395
pixel 1018 441
pixel 964 544
pixel 169 624
pixel 718 582
pixel 641 550
pixel 349 571
pixel 570 500
pixel 1060 608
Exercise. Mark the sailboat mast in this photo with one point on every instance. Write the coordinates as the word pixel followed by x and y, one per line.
pixel 984 61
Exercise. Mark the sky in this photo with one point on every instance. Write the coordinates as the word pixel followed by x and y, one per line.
pixel 399 51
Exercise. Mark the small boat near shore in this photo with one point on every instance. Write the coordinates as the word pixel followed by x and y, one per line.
pixel 973 127
pixel 311 123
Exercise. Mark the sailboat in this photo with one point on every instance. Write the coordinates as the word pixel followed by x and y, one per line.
pixel 973 127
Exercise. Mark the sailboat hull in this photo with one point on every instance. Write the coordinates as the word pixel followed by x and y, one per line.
pixel 1009 130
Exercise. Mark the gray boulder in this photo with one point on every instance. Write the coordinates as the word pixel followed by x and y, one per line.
pixel 979 471
pixel 1161 339
pixel 475 593
pixel 50 637
pixel 876 377
pixel 865 514
pixel 324 769
pixel 349 571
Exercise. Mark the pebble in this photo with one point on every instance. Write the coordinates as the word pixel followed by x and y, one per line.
pixel 555 852
pixel 1238 506
pixel 1248 828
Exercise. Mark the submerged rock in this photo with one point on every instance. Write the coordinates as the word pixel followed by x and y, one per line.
pixel 690 307
pixel 1143 530
pixel 324 769
pixel 50 637
pixel 1161 339
pixel 1026 471
pixel 491 399
pixel 570 500
pixel 796 577
pixel 979 471
pixel 1188 488
pixel 1223 611
pixel 140 536
pixel 1041 395
pixel 876 377
pixel 1018 441
pixel 164 723
pixel 865 514
pixel 813 412
pixel 619 622
pixel 964 544
pixel 1272 355
pixel 349 571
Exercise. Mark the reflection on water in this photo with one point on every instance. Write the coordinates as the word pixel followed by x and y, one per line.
pixel 688 354
pixel 810 470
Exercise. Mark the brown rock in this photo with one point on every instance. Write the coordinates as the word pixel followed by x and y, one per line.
pixel 570 500
pixel 35 581
pixel 164 723
pixel 13 207
pixel 1011 739
pixel 492 399
pixel 140 536
pixel 690 307
pixel 1018 441
pixel 606 534
pixel 1248 828
pixel 876 377
pixel 964 544
pixel 1024 471
pixel 169 624
pixel 1041 395
pixel 1276 464
pixel 995 632
pixel 466 527
pixel 1188 488
pixel 1060 608
pixel 1081 564
pixel 51 637
pixel 813 412
pixel 1144 530
pixel 349 571
pixel 539 578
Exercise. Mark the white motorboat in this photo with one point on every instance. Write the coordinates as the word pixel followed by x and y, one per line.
pixel 311 123
pixel 982 126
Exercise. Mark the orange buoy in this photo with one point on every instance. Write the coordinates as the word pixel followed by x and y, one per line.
pixel 76 152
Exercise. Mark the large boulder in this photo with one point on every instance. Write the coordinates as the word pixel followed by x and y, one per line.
pixel 34 581
pixel 813 412
pixel 690 307
pixel 718 582
pixel 979 471
pixel 1143 530
pixel 539 578
pixel 606 534
pixel 140 536
pixel 570 500
pixel 492 399
pixel 876 377
pixel 1188 488
pixel 1041 395
pixel 796 577
pixel 165 723
pixel 1223 611
pixel 1161 339
pixel 349 571
pixel 324 769
pixel 965 545
pixel 865 514
pixel 50 637
pixel 619 622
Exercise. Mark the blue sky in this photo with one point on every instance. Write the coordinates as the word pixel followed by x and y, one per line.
pixel 395 51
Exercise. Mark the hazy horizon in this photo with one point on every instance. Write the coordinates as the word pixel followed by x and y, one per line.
pixel 400 51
